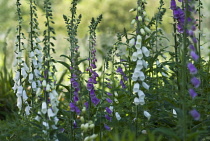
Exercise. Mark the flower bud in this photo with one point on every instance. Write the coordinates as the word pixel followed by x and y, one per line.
pixel 140 18
pixel 142 31
pixel 133 21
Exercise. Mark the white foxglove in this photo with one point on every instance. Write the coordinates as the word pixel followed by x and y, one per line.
pixel 27 110
pixel 44 107
pixel 145 85
pixel 19 102
pixel 50 113
pixel 141 76
pixel 131 42
pixel 138 45
pixel 139 54
pixel 19 91
pixel 134 56
pixel 48 87
pixel 147 114
pixel 25 97
pixel 145 64
pixel 145 51
pixel 141 94
pixel 118 117
pixel 23 72
pixel 142 31
pixel 139 65
pixel 141 101
pixel 147 29
pixel 38 92
pixel 34 85
pixel 139 38
pixel 136 101
pixel 31 76
pixel 136 87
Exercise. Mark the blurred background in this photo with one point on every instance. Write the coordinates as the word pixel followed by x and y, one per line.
pixel 115 18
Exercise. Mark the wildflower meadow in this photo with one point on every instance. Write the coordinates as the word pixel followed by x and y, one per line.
pixel 150 81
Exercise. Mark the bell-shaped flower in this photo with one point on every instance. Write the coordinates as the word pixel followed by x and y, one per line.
pixel 139 65
pixel 145 85
pixel 37 73
pixel 17 76
pixel 23 72
pixel 136 101
pixel 134 56
pixel 50 113
pixel 19 91
pixel 19 102
pixel 142 31
pixel 31 55
pixel 141 76
pixel 136 87
pixel 145 51
pixel 44 107
pixel 118 117
pixel 131 42
pixel 25 97
pixel 38 92
pixel 27 110
pixel 145 64
pixel 139 39
pixel 31 76
pixel 141 101
pixel 33 85
pixel 48 87
pixel 35 63
pixel 25 67
pixel 141 94
pixel 147 29
pixel 139 54
pixel 138 45
pixel 147 114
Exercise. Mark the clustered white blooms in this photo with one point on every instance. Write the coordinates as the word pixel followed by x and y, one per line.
pixel 138 56
pixel 20 76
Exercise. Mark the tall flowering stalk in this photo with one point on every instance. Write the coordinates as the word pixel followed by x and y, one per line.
pixel 92 62
pixel 75 88
pixel 186 25
pixel 21 66
pixel 49 96
pixel 35 54
pixel 139 55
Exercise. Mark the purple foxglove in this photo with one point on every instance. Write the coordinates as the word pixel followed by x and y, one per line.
pixel 194 55
pixel 192 93
pixel 192 68
pixel 108 110
pixel 173 5
pixel 195 114
pixel 196 82
pixel 109 100
pixel 107 127
pixel 108 117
